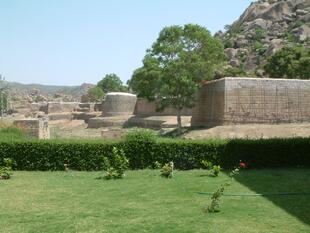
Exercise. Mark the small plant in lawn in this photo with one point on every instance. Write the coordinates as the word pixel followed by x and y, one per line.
pixel 167 170
pixel 116 167
pixel 207 164
pixel 214 205
pixel 157 165
pixel 236 171
pixel 216 169
pixel 6 170
pixel 66 167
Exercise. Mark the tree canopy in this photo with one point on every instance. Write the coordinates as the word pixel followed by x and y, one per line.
pixel 175 66
pixel 95 94
pixel 110 83
pixel 289 62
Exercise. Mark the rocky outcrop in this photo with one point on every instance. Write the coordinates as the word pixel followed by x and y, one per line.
pixel 265 27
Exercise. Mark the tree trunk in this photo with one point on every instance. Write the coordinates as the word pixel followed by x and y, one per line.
pixel 179 121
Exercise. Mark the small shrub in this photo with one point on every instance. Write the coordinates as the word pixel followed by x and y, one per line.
pixel 115 168
pixel 66 167
pixel 216 169
pixel 214 206
pixel 140 135
pixel 6 170
pixel 167 170
pixel 207 164
pixel 157 165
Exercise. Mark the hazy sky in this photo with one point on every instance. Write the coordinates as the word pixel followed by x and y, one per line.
pixel 69 42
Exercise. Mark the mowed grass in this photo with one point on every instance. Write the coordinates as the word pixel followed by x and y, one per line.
pixel 145 202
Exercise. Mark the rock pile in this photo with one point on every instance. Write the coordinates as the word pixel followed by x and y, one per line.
pixel 265 27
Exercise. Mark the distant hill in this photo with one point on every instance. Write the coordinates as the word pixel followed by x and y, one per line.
pixel 39 92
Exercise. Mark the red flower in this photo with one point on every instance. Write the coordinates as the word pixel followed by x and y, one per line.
pixel 242 165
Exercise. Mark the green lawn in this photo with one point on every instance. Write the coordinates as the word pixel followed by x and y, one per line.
pixel 145 202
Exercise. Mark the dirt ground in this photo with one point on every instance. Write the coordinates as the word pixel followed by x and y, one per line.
pixel 251 131
pixel 72 129
pixel 78 129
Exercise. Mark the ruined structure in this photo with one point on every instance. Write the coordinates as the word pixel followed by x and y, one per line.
pixel 252 100
pixel 119 103
pixel 37 128
pixel 118 107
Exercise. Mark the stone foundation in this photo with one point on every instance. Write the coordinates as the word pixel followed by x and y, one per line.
pixel 37 128
pixel 60 116
pixel 60 107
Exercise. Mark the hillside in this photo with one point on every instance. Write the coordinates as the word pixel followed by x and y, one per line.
pixel 39 92
pixel 263 28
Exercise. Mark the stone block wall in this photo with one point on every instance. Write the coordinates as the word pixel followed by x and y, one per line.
pixel 37 128
pixel 60 107
pixel 252 100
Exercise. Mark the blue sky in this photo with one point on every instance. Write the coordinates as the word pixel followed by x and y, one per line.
pixel 69 42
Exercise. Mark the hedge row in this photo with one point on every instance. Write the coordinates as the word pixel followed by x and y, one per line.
pixel 186 154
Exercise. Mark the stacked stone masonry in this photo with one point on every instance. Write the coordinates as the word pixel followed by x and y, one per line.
pixel 37 128
pixel 252 100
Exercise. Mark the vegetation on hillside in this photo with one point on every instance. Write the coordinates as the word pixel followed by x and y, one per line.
pixel 289 62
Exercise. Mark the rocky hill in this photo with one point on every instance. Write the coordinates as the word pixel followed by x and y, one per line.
pixel 265 27
pixel 37 92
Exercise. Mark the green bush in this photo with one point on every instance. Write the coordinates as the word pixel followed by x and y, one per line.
pixel 186 154
pixel 216 169
pixel 289 62
pixel 116 166
pixel 167 170
pixel 6 170
pixel 139 145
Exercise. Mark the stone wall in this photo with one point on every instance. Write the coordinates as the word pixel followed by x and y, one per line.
pixel 252 100
pixel 148 108
pixel 60 107
pixel 37 128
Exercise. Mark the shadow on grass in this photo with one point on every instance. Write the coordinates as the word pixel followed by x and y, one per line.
pixel 282 181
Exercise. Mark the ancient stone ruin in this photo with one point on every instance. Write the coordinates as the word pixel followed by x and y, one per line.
pixel 37 128
pixel 118 107
pixel 252 100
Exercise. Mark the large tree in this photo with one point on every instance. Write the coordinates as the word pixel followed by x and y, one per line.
pixel 110 83
pixel 174 68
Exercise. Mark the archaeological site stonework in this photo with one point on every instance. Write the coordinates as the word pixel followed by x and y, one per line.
pixel 252 100
pixel 36 128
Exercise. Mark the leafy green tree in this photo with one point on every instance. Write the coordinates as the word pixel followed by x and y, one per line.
pixel 303 71
pixel 3 96
pixel 174 68
pixel 110 83
pixel 95 94
pixel 145 80
pixel 289 62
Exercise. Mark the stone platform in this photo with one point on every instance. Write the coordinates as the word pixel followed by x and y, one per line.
pixel 113 121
